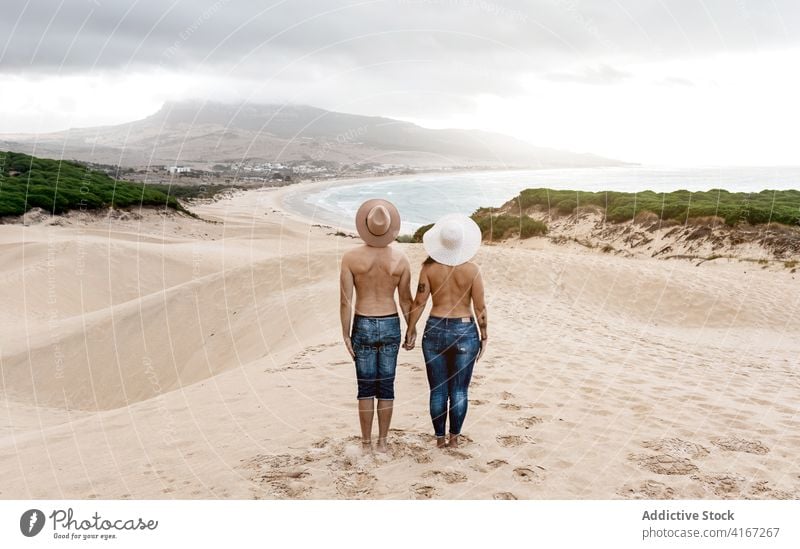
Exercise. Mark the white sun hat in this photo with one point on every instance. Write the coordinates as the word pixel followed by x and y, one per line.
pixel 453 240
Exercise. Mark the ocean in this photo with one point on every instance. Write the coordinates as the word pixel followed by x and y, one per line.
pixel 422 199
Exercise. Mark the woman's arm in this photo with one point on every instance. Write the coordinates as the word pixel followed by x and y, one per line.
pixel 479 305
pixel 421 299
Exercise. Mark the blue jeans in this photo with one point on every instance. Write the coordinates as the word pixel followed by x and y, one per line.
pixel 376 341
pixel 450 347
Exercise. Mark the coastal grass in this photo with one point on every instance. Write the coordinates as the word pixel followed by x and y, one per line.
pixel 58 186
pixel 767 206
pixel 497 226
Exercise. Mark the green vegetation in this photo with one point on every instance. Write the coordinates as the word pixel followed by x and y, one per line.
pixel 497 227
pixel 766 206
pixel 420 232
pixel 502 226
pixel 58 186
pixel 405 239
pixel 762 207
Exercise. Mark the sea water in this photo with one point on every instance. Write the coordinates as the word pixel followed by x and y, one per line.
pixel 424 198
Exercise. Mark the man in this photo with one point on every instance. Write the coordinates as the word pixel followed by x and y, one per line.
pixel 375 270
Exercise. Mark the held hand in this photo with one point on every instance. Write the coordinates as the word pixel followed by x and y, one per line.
pixel 482 350
pixel 349 345
pixel 411 339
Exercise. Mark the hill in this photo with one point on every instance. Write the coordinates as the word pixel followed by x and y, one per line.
pixel 201 134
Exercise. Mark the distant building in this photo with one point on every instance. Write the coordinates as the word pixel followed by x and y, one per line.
pixel 179 169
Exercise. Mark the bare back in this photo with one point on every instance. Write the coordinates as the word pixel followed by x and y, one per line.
pixel 451 288
pixel 377 273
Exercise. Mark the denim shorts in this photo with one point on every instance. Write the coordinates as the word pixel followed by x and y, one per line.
pixel 376 342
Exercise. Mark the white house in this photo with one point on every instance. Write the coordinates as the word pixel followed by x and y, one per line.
pixel 179 169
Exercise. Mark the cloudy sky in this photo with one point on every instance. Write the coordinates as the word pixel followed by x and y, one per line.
pixel 665 82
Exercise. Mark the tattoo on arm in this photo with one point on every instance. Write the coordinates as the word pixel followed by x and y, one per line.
pixel 421 288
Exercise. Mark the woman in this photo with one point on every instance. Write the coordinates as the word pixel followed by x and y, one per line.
pixel 451 343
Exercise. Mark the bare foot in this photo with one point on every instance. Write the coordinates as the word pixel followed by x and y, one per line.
pixel 382 446
pixel 453 441
pixel 441 442
pixel 366 446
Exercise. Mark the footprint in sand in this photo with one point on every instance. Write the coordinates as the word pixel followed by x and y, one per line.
pixel 511 441
pixel 676 447
pixel 762 490
pixel 417 447
pixel 285 484
pixel 458 454
pixel 665 464
pixel 736 444
pixel 355 484
pixel 528 422
pixel 495 463
pixel 477 402
pixel 505 395
pixel 724 485
pixel 422 491
pixel 280 474
pixel 733 486
pixel 510 406
pixel 526 474
pixel 450 477
pixel 648 489
pixel 504 495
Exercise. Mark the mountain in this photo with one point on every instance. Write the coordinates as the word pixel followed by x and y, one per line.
pixel 201 134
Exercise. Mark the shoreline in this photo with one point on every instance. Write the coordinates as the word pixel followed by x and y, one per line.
pixel 302 215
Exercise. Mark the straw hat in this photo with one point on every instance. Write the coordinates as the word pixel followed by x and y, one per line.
pixel 453 240
pixel 378 222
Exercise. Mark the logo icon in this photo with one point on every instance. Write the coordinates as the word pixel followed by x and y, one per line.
pixel 31 522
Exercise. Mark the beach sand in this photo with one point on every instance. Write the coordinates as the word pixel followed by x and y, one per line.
pixel 160 356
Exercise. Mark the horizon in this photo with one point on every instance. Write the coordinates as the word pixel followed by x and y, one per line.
pixel 652 83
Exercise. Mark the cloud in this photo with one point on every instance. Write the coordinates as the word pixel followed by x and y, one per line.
pixel 602 74
pixel 677 81
pixel 433 61
pixel 79 35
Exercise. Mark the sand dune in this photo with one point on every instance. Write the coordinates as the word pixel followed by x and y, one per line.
pixel 163 356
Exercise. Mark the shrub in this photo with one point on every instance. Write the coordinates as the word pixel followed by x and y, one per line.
pixel 761 207
pixel 58 186
pixel 499 227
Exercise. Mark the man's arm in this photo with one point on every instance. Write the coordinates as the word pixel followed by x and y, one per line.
pixel 421 299
pixel 479 305
pixel 404 289
pixel 346 303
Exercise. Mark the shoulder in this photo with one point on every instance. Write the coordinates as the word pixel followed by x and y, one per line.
pixel 351 254
pixel 398 253
pixel 400 257
pixel 470 268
